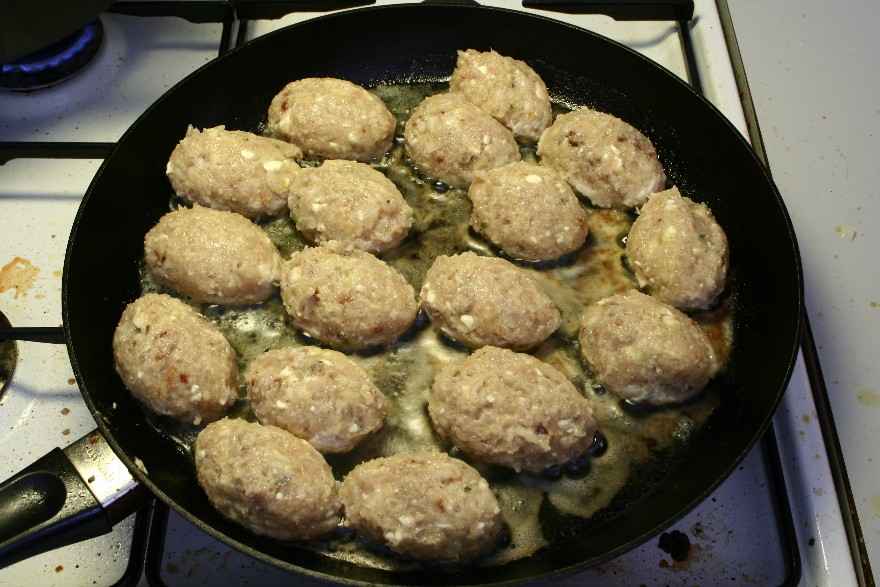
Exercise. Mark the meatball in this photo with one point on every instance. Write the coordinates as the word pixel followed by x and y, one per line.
pixel 349 202
pixel 425 506
pixel 268 480
pixel 602 157
pixel 346 298
pixel 645 351
pixel 319 395
pixel 511 409
pixel 212 256
pixel 678 251
pixel 333 119
pixel 505 88
pixel 450 139
pixel 233 170
pixel 528 211
pixel 174 360
pixel 487 301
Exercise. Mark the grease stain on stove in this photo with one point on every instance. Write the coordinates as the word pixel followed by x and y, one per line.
pixel 676 544
pixel 868 397
pixel 18 274
pixel 875 505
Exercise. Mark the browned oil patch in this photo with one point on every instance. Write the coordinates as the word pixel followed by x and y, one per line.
pixel 868 397
pixel 19 274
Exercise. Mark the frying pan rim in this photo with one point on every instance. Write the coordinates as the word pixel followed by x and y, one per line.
pixel 555 573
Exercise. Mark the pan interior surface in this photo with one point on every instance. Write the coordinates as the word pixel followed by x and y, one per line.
pixel 700 151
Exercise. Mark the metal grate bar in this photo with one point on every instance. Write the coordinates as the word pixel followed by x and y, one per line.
pixel 678 10
pixel 53 150
pixel 196 11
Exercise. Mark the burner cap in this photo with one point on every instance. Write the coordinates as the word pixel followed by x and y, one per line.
pixel 55 63
pixel 8 356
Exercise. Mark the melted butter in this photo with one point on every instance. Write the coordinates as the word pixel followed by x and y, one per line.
pixel 636 441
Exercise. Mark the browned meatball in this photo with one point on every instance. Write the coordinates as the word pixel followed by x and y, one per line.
pixel 212 256
pixel 678 251
pixel 487 301
pixel 426 506
pixel 333 119
pixel 174 360
pixel 506 88
pixel 511 409
pixel 645 351
pixel 450 139
pixel 317 394
pixel 528 211
pixel 346 298
pixel 233 170
pixel 602 157
pixel 268 480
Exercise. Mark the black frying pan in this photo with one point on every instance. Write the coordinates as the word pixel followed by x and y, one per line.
pixel 701 151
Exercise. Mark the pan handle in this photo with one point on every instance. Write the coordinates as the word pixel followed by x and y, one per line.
pixel 67 496
pixel 53 334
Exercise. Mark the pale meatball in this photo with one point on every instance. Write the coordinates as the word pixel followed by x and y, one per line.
pixel 426 506
pixel 268 480
pixel 332 119
pixel 678 252
pixel 346 298
pixel 349 202
pixel 505 88
pixel 175 361
pixel 233 170
pixel 450 139
pixel 319 395
pixel 645 351
pixel 511 409
pixel 602 157
pixel 528 211
pixel 482 301
pixel 212 256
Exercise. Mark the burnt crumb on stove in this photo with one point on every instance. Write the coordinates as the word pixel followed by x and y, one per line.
pixel 664 564
pixel 71 381
pixel 59 568
pixel 65 411
pixel 812 542
pixel 676 544
pixel 65 432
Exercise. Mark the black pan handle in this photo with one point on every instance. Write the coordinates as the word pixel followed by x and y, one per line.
pixel 50 334
pixel 67 496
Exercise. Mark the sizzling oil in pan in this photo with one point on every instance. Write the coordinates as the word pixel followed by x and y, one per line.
pixel 640 445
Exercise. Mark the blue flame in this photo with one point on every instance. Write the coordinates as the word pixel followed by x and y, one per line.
pixel 44 60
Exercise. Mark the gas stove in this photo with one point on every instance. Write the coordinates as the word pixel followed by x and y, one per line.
pixel 776 521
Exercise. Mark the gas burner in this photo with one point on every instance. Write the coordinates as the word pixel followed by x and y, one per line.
pixel 8 355
pixel 55 63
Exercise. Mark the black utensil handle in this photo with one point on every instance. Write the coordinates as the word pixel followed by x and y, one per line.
pixel 45 506
pixel 620 9
pixel 50 334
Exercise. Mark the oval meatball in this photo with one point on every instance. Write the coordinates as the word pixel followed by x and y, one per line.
pixel 319 395
pixel 505 88
pixel 346 298
pixel 678 252
pixel 233 170
pixel 450 139
pixel 426 506
pixel 351 203
pixel 645 351
pixel 212 256
pixel 333 119
pixel 528 211
pixel 268 480
pixel 604 158
pixel 175 361
pixel 511 409
pixel 482 301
